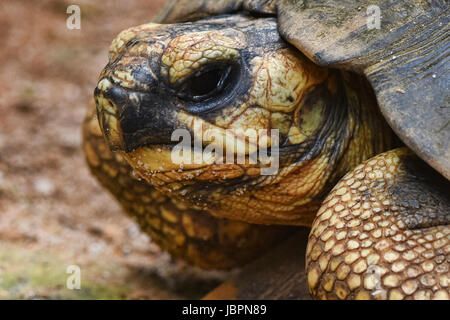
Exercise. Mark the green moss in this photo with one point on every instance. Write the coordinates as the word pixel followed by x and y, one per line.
pixel 32 274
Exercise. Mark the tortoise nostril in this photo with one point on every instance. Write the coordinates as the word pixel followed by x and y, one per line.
pixel 117 96
pixel 139 118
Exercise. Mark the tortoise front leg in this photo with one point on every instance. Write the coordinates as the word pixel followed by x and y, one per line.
pixel 383 233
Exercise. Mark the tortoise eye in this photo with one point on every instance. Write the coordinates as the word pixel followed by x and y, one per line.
pixel 205 83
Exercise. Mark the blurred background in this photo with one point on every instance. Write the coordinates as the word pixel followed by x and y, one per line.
pixel 53 213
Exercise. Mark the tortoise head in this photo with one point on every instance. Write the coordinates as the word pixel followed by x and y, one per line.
pixel 225 115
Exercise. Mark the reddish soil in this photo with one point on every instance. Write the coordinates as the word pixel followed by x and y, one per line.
pixel 53 213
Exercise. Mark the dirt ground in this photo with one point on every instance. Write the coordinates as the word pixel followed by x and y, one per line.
pixel 52 212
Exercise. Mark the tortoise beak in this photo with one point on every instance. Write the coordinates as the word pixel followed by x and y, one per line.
pixel 130 119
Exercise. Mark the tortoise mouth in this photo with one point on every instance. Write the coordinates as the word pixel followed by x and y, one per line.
pixel 150 154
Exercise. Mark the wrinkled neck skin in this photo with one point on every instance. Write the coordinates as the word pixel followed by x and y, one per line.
pixel 225 75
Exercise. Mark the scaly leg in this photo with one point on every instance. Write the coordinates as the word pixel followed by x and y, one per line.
pixel 383 233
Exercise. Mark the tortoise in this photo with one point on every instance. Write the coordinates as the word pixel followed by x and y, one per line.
pixel 355 118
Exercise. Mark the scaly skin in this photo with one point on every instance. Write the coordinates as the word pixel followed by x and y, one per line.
pixel 383 233
pixel 328 123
